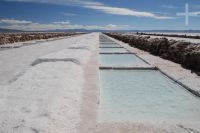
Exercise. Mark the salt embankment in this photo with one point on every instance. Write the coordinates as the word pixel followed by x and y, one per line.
pixel 185 53
pixel 9 38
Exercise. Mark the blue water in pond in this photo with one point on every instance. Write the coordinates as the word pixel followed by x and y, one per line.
pixel 110 45
pixel 113 50
pixel 120 60
pixel 128 95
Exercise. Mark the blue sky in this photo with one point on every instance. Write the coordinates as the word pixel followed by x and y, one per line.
pixel 96 14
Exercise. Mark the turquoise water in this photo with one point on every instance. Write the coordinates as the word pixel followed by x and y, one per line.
pixel 120 60
pixel 110 45
pixel 108 42
pixel 105 40
pixel 113 50
pixel 128 95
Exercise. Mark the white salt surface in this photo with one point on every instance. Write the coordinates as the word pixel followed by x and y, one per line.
pixel 78 55
pixel 46 97
pixel 15 45
pixel 15 62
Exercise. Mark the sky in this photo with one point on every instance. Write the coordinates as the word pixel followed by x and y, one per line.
pixel 31 15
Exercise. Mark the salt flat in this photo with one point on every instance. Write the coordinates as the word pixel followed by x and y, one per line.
pixel 53 87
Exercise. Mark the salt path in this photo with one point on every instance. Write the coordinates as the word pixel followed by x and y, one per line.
pixel 53 87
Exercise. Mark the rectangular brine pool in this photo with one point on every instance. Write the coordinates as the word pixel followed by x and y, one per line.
pixel 105 40
pixel 136 95
pixel 108 42
pixel 110 46
pixel 121 60
pixel 113 50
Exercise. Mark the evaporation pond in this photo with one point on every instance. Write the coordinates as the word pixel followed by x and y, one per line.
pixel 120 60
pixel 136 95
pixel 108 42
pixel 113 50
pixel 110 45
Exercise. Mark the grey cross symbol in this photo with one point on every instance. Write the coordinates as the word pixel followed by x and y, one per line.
pixel 187 14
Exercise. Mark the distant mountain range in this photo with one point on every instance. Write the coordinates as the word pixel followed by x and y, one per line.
pixel 2 30
pixel 84 30
pixel 172 31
